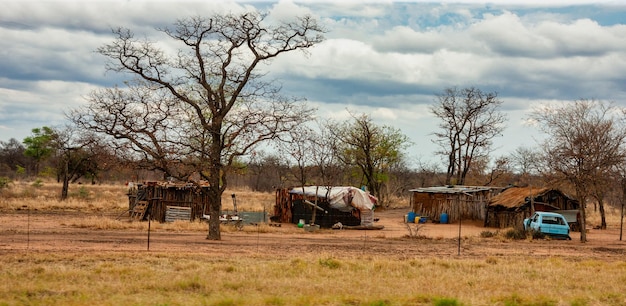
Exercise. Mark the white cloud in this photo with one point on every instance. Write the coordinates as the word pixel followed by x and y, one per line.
pixel 39 103
pixel 287 9
pixel 384 58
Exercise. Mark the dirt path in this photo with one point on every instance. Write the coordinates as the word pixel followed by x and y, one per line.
pixel 48 232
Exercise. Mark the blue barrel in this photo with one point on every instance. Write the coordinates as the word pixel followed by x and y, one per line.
pixel 411 217
pixel 444 218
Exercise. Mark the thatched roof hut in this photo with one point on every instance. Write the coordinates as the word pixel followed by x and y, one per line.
pixel 513 205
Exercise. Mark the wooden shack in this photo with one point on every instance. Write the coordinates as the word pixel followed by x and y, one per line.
pixel 167 201
pixel 295 204
pixel 455 201
pixel 513 205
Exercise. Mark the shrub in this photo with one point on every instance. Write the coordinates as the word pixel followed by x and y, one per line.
pixel 413 231
pixel 329 263
pixel 37 183
pixel 83 193
pixel 515 234
pixel 446 302
pixel 4 182
pixel 488 234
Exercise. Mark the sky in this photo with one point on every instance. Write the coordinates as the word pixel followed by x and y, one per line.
pixel 387 59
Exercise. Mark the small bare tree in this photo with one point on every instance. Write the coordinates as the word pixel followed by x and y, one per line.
pixel 586 140
pixel 470 119
pixel 195 110
pixel 525 162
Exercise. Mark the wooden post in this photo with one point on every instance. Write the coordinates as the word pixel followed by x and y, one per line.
pixel 314 207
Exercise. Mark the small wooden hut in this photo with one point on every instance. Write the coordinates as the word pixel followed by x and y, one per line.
pixel 465 202
pixel 166 201
pixel 513 205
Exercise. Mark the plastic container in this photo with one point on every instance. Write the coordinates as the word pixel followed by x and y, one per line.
pixel 410 217
pixel 301 223
pixel 444 218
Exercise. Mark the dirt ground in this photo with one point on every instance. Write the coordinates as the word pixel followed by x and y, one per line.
pixel 23 231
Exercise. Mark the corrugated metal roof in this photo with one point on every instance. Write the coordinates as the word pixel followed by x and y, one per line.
pixel 452 189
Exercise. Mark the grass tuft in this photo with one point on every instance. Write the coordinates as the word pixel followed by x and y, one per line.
pixel 329 263
pixel 488 234
pixel 446 302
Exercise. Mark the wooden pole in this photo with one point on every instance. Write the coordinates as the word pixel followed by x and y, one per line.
pixel 621 221
pixel 149 232
pixel 458 204
pixel 315 207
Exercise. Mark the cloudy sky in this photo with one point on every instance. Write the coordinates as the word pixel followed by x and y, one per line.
pixel 384 58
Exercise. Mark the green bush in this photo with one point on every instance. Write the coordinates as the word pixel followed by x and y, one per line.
pixel 4 182
pixel 83 193
pixel 446 302
pixel 37 183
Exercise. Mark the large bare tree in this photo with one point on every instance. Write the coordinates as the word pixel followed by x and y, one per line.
pixel 470 119
pixel 586 141
pixel 194 110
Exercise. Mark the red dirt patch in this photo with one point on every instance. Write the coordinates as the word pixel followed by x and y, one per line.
pixel 24 231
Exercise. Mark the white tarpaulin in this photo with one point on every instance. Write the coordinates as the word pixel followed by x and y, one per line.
pixel 344 199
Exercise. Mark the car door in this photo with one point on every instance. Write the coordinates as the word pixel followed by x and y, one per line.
pixel 535 222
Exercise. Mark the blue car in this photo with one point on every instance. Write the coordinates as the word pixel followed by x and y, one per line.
pixel 548 223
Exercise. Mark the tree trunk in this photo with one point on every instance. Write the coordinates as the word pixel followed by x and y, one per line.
pixel 66 180
pixel 582 200
pixel 602 214
pixel 215 181
pixel 215 206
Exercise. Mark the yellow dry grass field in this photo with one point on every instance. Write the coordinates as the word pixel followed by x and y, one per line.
pixel 323 279
pixel 79 252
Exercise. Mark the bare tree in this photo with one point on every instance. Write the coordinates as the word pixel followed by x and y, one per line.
pixel 196 110
pixel 266 172
pixel 72 155
pixel 486 173
pixel 325 156
pixel 470 119
pixel 525 161
pixel 429 173
pixel 586 140
pixel 299 146
pixel 12 157
pixel 371 148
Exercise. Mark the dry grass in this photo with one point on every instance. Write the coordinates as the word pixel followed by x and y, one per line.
pixel 105 197
pixel 46 196
pixel 194 279
pixel 612 215
pixel 108 223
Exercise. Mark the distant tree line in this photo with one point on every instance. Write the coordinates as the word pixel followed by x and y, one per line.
pixel 583 155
